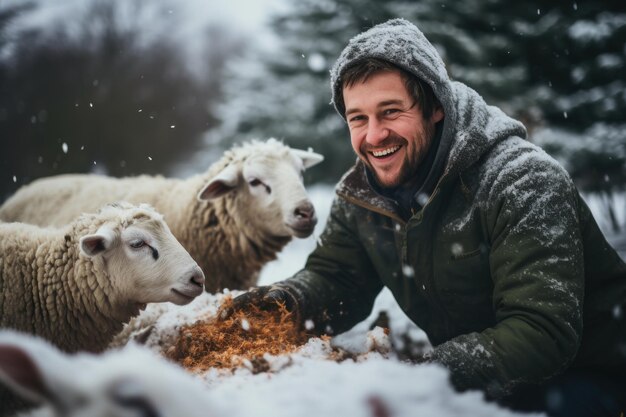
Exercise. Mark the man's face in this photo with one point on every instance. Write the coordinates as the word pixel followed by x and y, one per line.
pixel 387 129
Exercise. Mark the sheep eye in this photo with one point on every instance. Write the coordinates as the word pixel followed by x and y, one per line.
pixel 138 404
pixel 128 396
pixel 255 182
pixel 136 244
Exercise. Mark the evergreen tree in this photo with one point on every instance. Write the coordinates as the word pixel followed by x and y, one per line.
pixel 560 67
pixel 286 93
pixel 550 64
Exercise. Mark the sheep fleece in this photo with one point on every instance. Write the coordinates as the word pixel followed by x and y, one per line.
pixel 47 289
pixel 215 234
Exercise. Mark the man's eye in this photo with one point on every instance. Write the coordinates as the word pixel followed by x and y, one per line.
pixel 356 119
pixel 390 111
pixel 136 244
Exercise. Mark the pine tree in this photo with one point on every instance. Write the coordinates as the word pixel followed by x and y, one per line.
pixel 286 94
pixel 552 65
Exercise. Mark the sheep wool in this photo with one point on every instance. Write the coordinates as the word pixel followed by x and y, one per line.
pixel 232 230
pixel 133 381
pixel 220 235
pixel 48 288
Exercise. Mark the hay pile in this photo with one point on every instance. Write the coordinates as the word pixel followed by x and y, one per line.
pixel 242 336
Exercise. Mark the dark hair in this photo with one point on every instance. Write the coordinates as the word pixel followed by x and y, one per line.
pixel 361 70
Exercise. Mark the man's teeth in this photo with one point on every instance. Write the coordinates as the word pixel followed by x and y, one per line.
pixel 386 151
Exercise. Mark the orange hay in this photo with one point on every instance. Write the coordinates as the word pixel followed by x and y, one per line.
pixel 244 335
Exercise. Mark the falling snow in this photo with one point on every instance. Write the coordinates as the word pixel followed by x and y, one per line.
pixel 245 324
pixel 456 249
pixel 408 271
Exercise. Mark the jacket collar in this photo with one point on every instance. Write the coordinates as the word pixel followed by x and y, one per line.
pixel 355 187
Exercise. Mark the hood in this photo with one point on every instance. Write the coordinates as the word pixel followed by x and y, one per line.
pixel 470 126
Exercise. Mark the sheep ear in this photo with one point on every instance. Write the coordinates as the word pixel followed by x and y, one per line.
pixel 309 158
pixel 224 182
pixel 35 370
pixel 20 373
pixel 92 245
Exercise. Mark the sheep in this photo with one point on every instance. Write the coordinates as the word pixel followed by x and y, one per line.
pixel 233 219
pixel 118 383
pixel 77 285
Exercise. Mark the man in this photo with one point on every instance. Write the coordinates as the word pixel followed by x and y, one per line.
pixel 481 237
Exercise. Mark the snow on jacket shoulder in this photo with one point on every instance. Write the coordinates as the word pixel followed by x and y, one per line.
pixel 496 269
pixel 503 264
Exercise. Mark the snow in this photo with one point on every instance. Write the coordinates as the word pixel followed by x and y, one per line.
pixel 596 31
pixel 322 388
pixel 310 381
pixel 293 256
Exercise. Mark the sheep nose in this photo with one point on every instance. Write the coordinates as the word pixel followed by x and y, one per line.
pixel 305 211
pixel 197 277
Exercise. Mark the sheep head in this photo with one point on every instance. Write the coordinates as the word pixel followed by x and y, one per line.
pixel 143 258
pixel 267 189
pixel 129 382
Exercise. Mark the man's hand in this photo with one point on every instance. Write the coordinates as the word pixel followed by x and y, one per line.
pixel 268 298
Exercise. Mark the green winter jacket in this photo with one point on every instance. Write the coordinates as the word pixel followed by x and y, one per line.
pixel 504 267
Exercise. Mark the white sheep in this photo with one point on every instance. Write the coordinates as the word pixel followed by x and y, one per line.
pixel 119 383
pixel 232 219
pixel 77 285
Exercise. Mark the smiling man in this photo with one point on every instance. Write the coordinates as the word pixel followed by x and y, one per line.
pixel 481 237
pixel 389 130
pixel 392 117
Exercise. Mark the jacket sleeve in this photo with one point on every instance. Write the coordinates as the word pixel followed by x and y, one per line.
pixel 536 263
pixel 338 285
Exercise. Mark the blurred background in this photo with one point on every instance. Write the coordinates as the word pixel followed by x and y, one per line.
pixel 124 87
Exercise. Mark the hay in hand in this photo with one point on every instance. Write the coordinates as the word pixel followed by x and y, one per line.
pixel 228 343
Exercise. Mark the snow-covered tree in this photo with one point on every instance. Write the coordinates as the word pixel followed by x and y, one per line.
pixel 558 66
pixel 285 93
pixel 552 65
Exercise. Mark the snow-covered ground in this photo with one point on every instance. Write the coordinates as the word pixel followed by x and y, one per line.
pixel 369 379
pixel 598 206
pixel 310 382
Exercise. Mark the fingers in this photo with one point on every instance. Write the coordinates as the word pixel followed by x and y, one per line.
pixel 269 298
pixel 242 302
pixel 275 296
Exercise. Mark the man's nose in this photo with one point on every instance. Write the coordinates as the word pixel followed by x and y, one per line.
pixel 376 132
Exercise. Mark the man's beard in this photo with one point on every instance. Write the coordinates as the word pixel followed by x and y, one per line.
pixel 411 162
